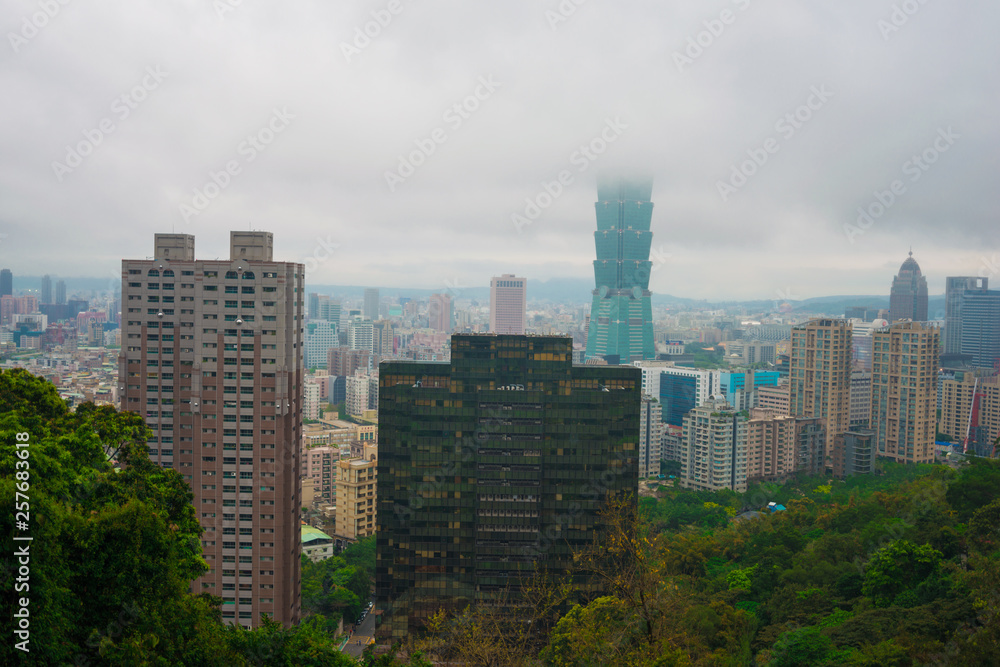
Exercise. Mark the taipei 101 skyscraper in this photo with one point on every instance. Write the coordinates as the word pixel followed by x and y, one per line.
pixel 621 316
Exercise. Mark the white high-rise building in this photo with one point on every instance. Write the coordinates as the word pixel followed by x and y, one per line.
pixel 508 302
pixel 320 337
pixel 362 335
pixel 714 448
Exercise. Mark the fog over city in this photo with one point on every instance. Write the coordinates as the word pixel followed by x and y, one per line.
pixel 796 148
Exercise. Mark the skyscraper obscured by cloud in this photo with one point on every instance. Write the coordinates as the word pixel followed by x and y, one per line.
pixel 621 315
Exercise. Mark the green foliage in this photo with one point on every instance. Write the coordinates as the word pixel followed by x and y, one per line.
pixel 805 646
pixel 896 569
pixel 741 579
pixel 977 485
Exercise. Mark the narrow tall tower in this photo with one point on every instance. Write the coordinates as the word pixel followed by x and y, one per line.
pixel 621 316
pixel 212 358
pixel 908 296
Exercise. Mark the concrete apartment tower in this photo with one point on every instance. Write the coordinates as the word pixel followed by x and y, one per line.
pixel 820 375
pixel 212 357
pixel 508 304
pixel 904 391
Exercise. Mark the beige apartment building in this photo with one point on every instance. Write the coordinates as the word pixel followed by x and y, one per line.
pixel 904 391
pixel 212 358
pixel 956 409
pixel 774 399
pixel 779 445
pixel 356 479
pixel 820 375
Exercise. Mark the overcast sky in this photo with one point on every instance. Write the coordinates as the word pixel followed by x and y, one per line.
pixel 116 114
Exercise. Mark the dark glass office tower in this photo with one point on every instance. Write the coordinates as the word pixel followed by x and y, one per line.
pixel 621 316
pixel 490 463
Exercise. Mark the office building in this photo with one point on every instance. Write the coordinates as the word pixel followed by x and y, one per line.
pixel 327 309
pixel 356 481
pixel 6 283
pixel 46 294
pixel 682 389
pixel 908 295
pixel 441 313
pixel 820 374
pixel 651 372
pixel 779 445
pixel 490 464
pixel 320 337
pixel 61 293
pixel 904 391
pixel 854 452
pixel 508 302
pixel 740 389
pixel 370 309
pixel 714 448
pixel 651 429
pixel 972 321
pixel 970 411
pixel 621 315
pixel 212 356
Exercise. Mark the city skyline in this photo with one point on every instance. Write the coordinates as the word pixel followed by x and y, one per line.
pixel 793 154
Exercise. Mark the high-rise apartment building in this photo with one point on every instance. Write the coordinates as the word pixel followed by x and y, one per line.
pixel 311 399
pixel 6 283
pixel 854 452
pixel 651 429
pixel 861 398
pixel 904 391
pixel 342 361
pixel 508 302
pixel 820 375
pixel 965 419
pixel 441 313
pixel 779 445
pixel 61 292
pixel 46 294
pixel 489 464
pixel 774 399
pixel 212 357
pixel 383 338
pixel 714 448
pixel 621 314
pixel 908 295
pixel 370 309
pixel 356 480
pixel 361 335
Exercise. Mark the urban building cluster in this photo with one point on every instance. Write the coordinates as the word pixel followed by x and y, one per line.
pixel 476 436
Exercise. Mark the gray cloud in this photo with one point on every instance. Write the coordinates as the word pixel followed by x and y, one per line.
pixel 323 176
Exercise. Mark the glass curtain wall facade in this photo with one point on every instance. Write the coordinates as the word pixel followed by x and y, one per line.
pixel 621 315
pixel 491 463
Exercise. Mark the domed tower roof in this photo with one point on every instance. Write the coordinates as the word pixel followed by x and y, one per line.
pixel 910 265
